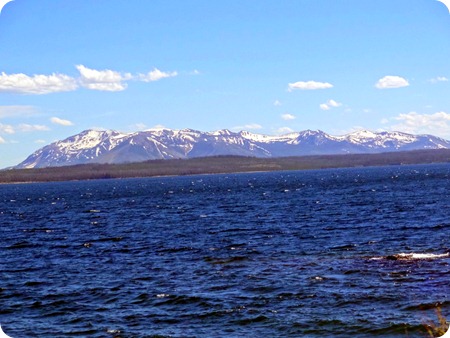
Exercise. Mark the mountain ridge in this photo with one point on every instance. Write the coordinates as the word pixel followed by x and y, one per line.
pixel 110 146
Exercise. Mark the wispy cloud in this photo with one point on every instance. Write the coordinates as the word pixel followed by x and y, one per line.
pixel 309 85
pixel 23 127
pixel 284 130
pixel 61 122
pixel 102 80
pixel 251 126
pixel 6 129
pixel 158 126
pixel 439 79
pixel 288 117
pixel 137 126
pixel 436 124
pixel 389 82
pixel 17 111
pixel 2 140
pixel 277 103
pixel 32 127
pixel 330 104
pixel 156 75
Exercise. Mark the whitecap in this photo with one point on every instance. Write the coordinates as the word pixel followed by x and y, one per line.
pixel 112 331
pixel 421 255
pixel 412 256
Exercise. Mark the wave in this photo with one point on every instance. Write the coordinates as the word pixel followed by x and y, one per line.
pixel 412 256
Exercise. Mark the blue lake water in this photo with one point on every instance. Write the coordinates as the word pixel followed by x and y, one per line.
pixel 283 254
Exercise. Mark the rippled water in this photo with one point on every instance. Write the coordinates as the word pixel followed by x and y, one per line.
pixel 287 254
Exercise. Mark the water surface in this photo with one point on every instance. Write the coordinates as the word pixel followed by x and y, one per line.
pixel 285 254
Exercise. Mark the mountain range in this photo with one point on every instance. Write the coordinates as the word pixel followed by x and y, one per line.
pixel 109 146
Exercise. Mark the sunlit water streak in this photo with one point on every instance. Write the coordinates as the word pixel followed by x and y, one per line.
pixel 330 253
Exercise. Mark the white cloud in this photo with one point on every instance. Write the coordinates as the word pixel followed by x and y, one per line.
pixel 436 124
pixel 32 127
pixel 309 85
pixel 6 129
pixel 40 141
pixel 439 79
pixel 156 75
pixel 284 130
pixel 288 117
pixel 138 126
pixel 389 82
pixel 350 130
pixel 61 122
pixel 105 80
pixel 2 140
pixel 36 84
pixel 330 104
pixel 251 126
pixel 277 103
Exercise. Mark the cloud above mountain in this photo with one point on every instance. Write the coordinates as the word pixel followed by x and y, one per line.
pixel 61 122
pixel 250 126
pixel 415 123
pixel 100 80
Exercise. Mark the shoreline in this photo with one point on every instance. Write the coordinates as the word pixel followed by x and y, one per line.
pixel 219 165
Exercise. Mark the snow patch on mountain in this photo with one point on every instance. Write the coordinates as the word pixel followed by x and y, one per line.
pixel 109 146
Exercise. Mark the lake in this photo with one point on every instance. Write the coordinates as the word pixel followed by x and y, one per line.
pixel 326 253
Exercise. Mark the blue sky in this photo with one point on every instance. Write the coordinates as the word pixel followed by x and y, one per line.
pixel 266 66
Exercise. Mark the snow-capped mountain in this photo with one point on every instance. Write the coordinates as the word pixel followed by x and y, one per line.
pixel 94 146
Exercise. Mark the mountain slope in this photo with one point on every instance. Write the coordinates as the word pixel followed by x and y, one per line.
pixel 93 146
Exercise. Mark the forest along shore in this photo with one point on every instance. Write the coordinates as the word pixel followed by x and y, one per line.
pixel 218 165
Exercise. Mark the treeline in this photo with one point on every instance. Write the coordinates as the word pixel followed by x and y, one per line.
pixel 219 164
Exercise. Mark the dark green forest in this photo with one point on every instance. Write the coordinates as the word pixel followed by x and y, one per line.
pixel 219 164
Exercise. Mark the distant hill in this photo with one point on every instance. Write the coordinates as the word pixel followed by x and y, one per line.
pixel 94 146
pixel 220 164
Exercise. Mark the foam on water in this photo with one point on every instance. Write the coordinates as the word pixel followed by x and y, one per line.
pixel 421 255
pixel 412 256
